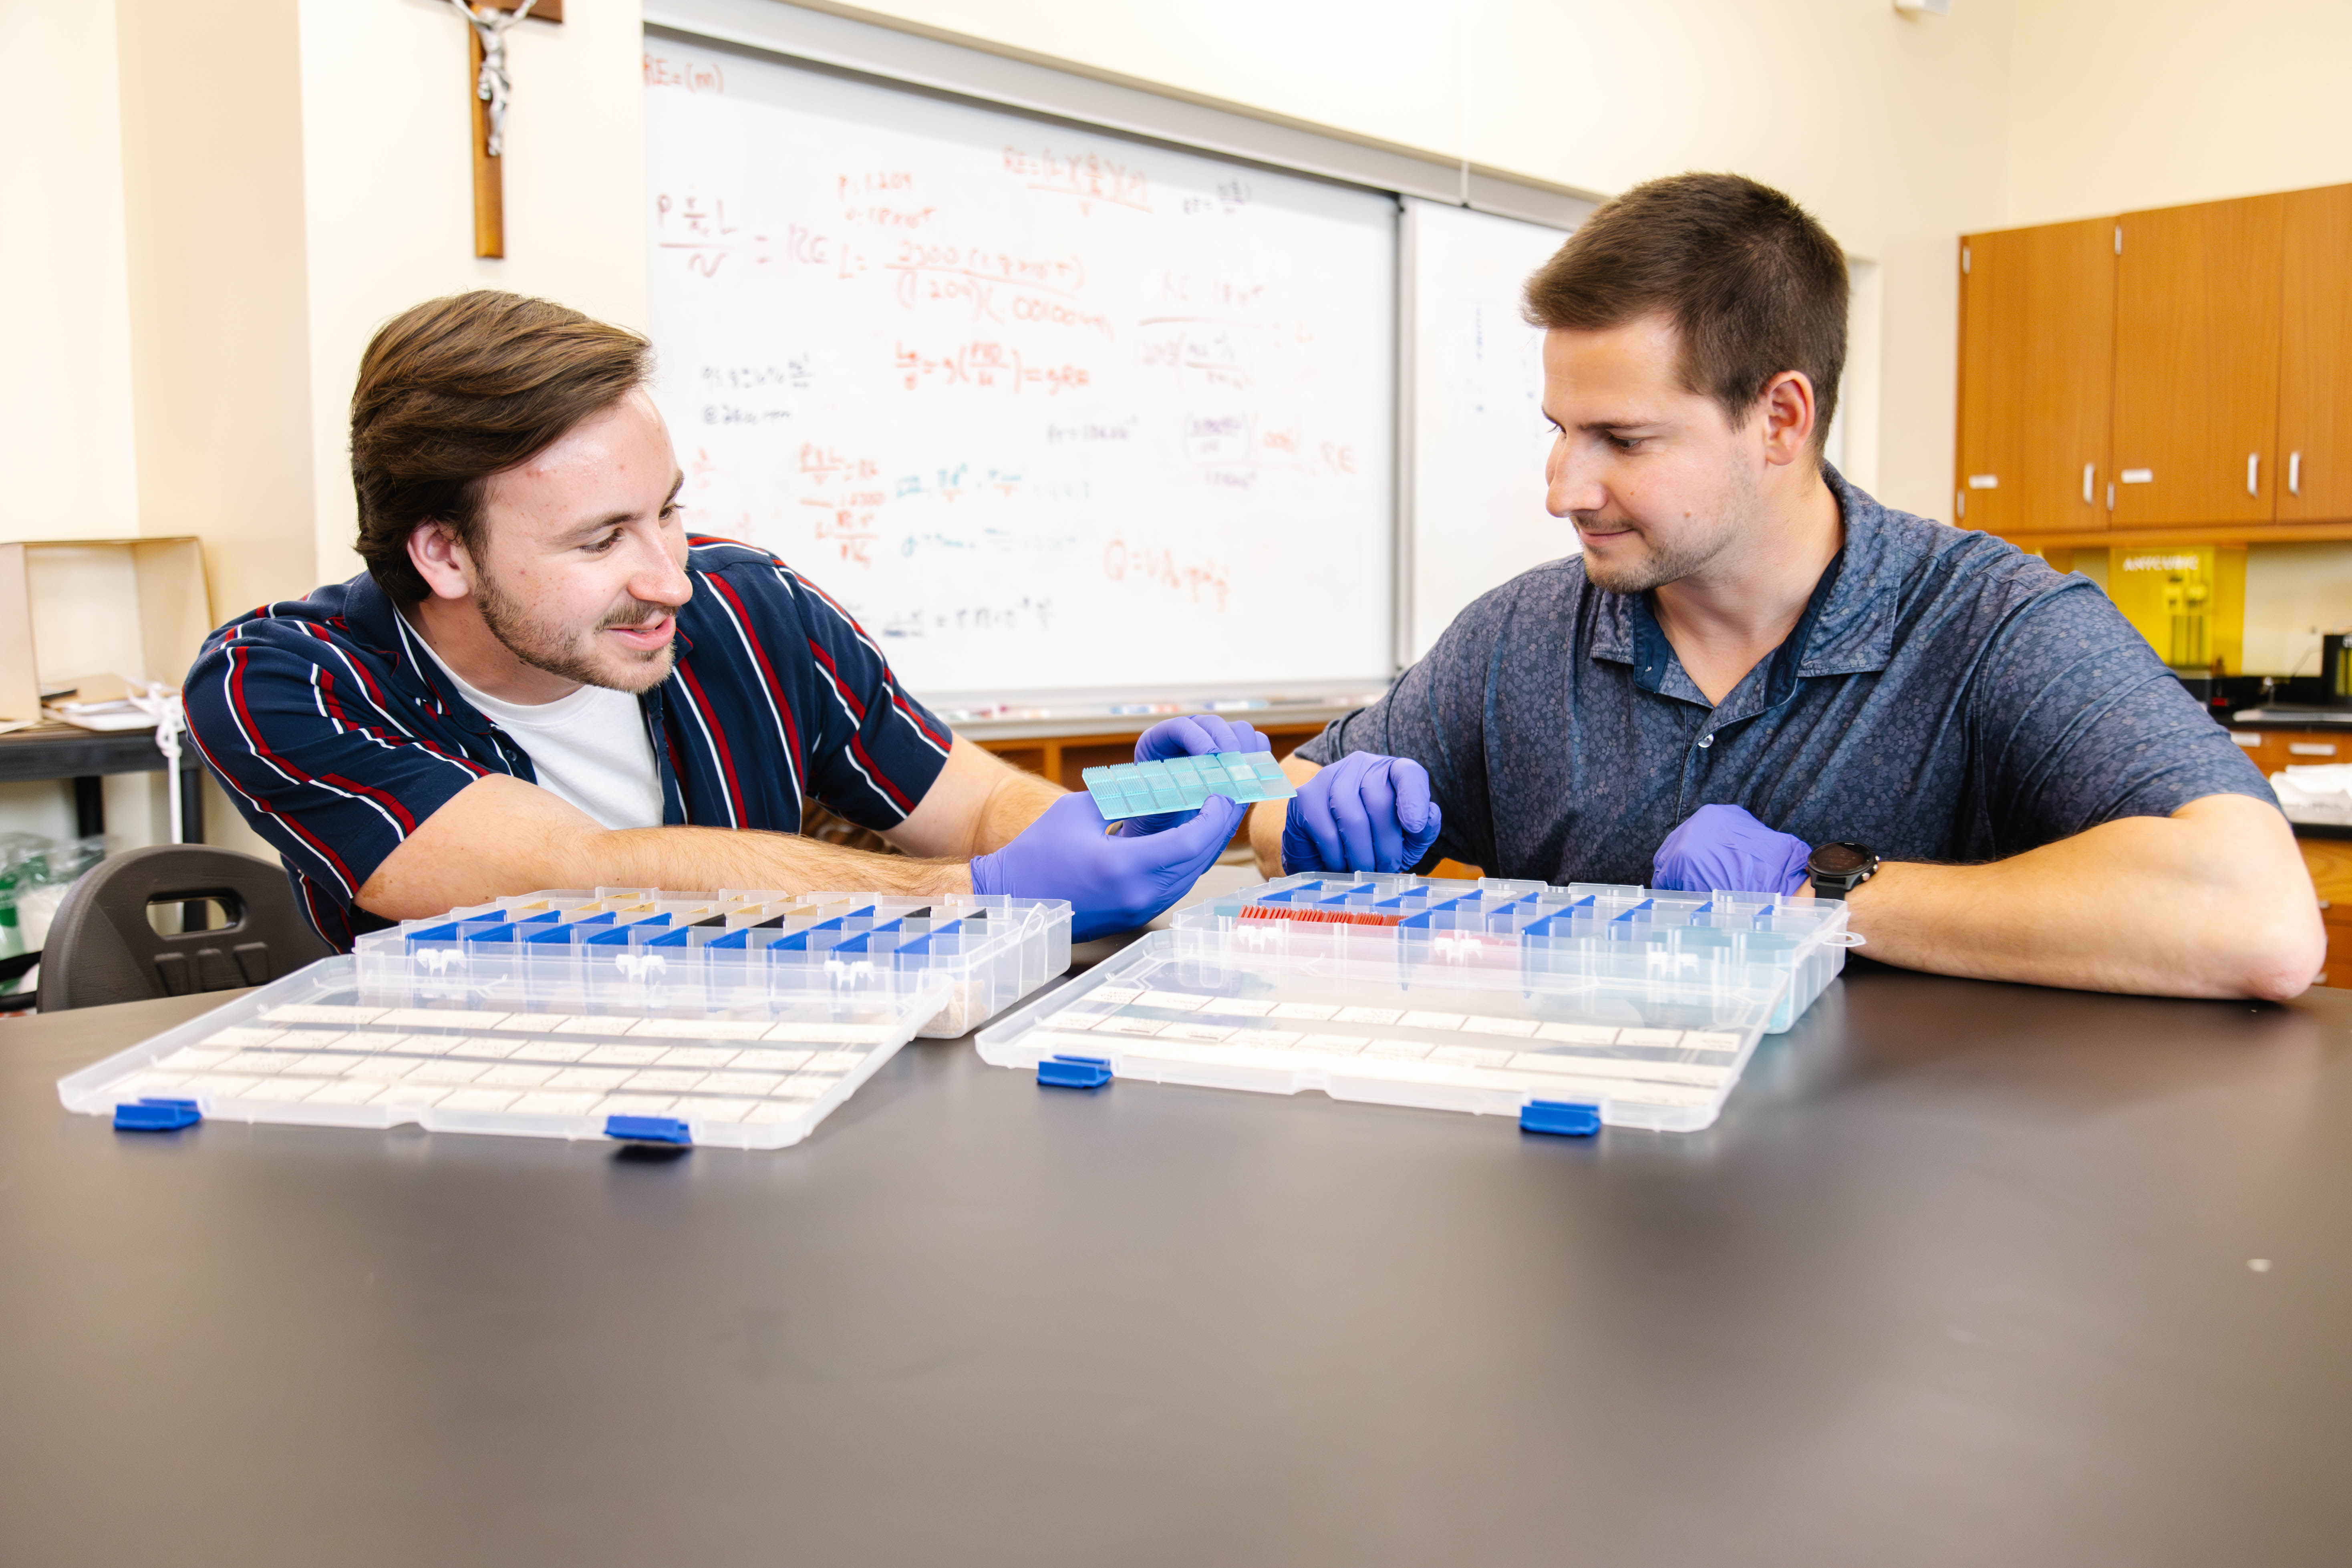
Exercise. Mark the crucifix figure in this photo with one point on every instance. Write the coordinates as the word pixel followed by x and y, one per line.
pixel 487 22
pixel 491 83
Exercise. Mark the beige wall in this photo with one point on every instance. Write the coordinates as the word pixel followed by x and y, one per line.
pixel 212 161
pixel 65 405
pixel 2120 104
pixel 2294 593
pixel 389 193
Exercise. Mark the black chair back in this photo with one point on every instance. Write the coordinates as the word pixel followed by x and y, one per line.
pixel 103 948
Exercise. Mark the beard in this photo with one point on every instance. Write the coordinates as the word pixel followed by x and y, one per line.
pixel 1699 544
pixel 1656 565
pixel 572 655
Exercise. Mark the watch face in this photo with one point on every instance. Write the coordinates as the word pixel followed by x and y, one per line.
pixel 1839 860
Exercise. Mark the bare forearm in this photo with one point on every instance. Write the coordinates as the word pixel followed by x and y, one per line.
pixel 502 836
pixel 2212 902
pixel 978 804
pixel 1016 801
pixel 724 858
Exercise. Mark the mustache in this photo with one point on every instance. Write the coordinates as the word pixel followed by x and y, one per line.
pixel 637 614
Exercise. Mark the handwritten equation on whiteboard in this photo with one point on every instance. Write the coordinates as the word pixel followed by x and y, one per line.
pixel 1043 410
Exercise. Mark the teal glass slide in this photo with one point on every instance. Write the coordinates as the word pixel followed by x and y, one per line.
pixel 1182 784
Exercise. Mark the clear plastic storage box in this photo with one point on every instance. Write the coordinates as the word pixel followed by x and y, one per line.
pixel 736 1018
pixel 644 949
pixel 1488 997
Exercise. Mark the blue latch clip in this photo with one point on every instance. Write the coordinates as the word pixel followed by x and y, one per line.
pixel 1074 1072
pixel 647 1129
pixel 157 1116
pixel 1559 1117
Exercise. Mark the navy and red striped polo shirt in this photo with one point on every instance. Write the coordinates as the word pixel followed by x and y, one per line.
pixel 329 724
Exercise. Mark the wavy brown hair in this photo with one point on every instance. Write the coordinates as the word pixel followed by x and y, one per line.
pixel 457 389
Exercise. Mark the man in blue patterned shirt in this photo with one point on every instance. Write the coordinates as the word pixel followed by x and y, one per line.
pixel 1756 677
pixel 542 681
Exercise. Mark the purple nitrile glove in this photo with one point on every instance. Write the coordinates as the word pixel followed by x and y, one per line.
pixel 1363 813
pixel 1112 884
pixel 1721 848
pixel 1196 736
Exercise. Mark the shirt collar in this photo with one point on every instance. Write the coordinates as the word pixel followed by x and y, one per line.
pixel 1848 631
pixel 375 623
pixel 1854 632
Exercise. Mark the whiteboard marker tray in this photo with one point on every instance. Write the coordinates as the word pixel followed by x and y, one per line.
pixel 318 1050
pixel 1657 1051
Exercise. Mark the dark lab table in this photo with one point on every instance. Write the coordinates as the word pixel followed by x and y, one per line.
pixel 85 756
pixel 1964 1275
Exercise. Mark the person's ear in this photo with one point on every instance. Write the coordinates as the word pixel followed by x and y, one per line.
pixel 440 558
pixel 1788 413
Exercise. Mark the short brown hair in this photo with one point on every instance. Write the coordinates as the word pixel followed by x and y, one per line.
pixel 1753 284
pixel 457 389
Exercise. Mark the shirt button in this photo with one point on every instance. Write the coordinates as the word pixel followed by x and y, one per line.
pixel 1706 741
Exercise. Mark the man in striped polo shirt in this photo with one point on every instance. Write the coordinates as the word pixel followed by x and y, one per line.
pixel 542 680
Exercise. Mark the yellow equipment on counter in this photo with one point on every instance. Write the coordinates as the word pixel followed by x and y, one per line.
pixel 2188 600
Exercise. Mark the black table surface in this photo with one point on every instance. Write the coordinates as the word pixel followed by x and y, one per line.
pixel 1966 1274
pixel 65 751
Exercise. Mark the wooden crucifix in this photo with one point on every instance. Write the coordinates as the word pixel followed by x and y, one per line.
pixel 487 22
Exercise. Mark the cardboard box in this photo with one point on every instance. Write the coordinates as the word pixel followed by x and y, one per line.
pixel 73 607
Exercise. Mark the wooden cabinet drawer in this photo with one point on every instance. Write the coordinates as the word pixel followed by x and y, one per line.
pixel 2329 861
pixel 2274 749
pixel 2338 974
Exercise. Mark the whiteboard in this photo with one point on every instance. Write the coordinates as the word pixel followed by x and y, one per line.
pixel 1046 409
pixel 1479 440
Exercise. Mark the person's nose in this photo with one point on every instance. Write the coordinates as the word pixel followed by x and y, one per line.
pixel 660 578
pixel 1570 485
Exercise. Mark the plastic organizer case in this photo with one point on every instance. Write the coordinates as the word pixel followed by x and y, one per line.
pixel 1182 784
pixel 736 1018
pixel 1494 996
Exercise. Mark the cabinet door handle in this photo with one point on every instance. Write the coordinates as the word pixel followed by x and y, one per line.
pixel 2294 473
pixel 2254 473
pixel 2088 470
pixel 2311 748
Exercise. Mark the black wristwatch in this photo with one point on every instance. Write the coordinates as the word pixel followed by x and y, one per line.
pixel 1837 869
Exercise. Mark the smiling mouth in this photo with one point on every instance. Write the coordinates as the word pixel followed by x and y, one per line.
pixel 650 634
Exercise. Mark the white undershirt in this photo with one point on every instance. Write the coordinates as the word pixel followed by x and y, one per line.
pixel 590 748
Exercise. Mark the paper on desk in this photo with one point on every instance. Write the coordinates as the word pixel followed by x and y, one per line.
pixel 108 703
pixel 101 715
pixel 2320 794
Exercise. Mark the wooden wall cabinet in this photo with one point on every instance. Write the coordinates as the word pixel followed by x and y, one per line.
pixel 2314 417
pixel 2197 359
pixel 2037 358
pixel 2193 365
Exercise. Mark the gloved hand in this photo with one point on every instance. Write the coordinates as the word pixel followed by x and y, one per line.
pixel 1722 847
pixel 1113 884
pixel 1196 736
pixel 1363 813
